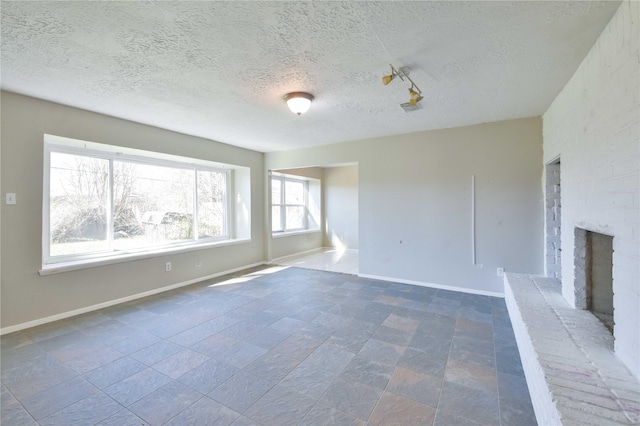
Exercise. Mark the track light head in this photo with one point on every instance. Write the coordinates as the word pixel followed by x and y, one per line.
pixel 415 97
pixel 394 73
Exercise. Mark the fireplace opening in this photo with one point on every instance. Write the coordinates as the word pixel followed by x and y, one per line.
pixel 594 274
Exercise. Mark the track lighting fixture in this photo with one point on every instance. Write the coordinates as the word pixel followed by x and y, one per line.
pixel 415 94
pixel 298 102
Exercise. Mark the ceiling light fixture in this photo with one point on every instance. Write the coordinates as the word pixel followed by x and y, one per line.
pixel 415 94
pixel 298 102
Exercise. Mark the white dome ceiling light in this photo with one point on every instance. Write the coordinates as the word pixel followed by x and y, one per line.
pixel 298 102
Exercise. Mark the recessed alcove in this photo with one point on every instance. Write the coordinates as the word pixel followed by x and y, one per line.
pixel 593 275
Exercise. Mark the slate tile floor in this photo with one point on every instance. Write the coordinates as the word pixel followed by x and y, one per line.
pixel 274 346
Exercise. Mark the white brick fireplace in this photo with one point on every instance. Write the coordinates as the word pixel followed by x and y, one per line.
pixel 593 128
pixel 578 372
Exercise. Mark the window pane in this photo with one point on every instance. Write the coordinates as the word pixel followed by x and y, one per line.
pixel 276 223
pixel 276 191
pixel 153 205
pixel 212 189
pixel 78 192
pixel 294 192
pixel 295 217
pixel 127 205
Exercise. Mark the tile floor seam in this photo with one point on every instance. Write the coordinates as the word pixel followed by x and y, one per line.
pixel 443 378
pixel 23 407
pixel 383 392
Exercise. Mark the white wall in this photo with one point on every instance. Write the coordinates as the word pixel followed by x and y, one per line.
pixel 341 207
pixel 594 126
pixel 27 296
pixel 415 202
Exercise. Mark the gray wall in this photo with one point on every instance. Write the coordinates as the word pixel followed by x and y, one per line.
pixel 341 207
pixel 27 296
pixel 414 207
pixel 415 202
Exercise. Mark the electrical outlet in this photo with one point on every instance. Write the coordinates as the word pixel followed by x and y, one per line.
pixel 198 263
pixel 500 271
pixel 167 267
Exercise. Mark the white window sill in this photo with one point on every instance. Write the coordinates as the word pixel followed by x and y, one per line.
pixel 56 268
pixel 292 233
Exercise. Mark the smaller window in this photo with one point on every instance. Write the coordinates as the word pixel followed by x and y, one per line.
pixel 288 204
pixel 295 204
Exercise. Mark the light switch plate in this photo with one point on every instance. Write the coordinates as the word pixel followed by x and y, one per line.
pixel 10 198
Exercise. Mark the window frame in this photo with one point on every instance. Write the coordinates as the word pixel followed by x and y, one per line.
pixel 56 144
pixel 283 205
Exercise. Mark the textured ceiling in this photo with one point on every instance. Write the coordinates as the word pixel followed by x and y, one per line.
pixel 219 69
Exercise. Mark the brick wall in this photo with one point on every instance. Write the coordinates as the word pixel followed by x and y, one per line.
pixel 553 207
pixel 594 127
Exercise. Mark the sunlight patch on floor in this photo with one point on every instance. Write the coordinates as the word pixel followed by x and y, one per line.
pixel 330 259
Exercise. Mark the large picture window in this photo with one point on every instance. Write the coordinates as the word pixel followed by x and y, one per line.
pixel 103 203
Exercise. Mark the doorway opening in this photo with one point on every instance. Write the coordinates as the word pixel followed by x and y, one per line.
pixel 332 244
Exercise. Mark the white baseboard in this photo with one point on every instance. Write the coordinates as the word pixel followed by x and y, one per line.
pixel 438 286
pixel 57 317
